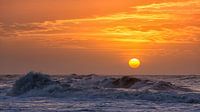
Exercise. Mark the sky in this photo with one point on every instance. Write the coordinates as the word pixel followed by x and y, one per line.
pixel 100 36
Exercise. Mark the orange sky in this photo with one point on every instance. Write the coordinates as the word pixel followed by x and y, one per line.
pixel 100 36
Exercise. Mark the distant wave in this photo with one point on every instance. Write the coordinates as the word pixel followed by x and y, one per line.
pixel 189 77
pixel 93 86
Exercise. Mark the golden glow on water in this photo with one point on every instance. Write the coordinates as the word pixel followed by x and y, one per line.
pixel 134 63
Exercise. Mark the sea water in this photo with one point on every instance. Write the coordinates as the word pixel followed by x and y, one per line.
pixel 98 93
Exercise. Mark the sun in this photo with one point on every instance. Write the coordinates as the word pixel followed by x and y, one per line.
pixel 134 63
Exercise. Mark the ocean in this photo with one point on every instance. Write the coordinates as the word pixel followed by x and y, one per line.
pixel 37 92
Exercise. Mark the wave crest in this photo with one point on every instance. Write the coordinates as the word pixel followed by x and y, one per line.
pixel 32 80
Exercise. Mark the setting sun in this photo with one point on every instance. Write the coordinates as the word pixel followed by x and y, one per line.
pixel 134 63
pixel 100 55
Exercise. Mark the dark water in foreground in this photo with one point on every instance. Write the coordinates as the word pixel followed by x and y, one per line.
pixel 93 93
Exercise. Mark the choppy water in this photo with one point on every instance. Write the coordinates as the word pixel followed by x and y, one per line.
pixel 90 93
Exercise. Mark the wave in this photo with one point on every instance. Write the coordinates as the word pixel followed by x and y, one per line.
pixel 139 84
pixel 190 77
pixel 31 81
pixel 94 86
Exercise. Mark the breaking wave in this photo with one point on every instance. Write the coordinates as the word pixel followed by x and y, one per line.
pixel 93 86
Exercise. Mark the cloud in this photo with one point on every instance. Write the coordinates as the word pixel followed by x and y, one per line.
pixel 168 5
pixel 164 22
pixel 184 7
